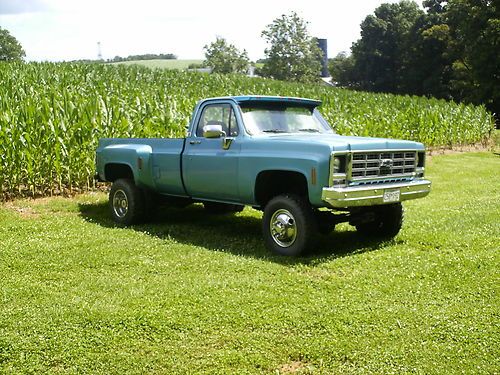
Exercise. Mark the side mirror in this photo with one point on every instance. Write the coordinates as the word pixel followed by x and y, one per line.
pixel 213 131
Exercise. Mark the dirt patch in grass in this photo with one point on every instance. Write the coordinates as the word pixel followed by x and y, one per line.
pixel 26 212
pixel 29 208
pixel 490 144
pixel 459 149
pixel 25 193
pixel 295 367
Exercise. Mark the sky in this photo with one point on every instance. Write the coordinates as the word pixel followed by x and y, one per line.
pixel 64 30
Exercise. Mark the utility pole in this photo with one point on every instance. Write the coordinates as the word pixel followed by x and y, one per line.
pixel 99 53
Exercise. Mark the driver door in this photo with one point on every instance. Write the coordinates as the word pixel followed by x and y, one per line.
pixel 210 171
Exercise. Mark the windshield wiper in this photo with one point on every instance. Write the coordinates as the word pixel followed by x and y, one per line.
pixel 274 131
pixel 310 130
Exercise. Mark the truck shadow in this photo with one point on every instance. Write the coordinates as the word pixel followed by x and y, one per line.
pixel 238 234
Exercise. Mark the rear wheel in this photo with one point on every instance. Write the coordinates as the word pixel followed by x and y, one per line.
pixel 289 225
pixel 127 202
pixel 387 222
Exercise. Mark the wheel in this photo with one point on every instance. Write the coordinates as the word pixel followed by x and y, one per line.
pixel 222 208
pixel 289 225
pixel 127 202
pixel 387 221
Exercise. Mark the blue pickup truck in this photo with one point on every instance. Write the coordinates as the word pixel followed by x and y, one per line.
pixel 276 154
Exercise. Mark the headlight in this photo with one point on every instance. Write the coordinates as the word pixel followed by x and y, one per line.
pixel 338 170
pixel 339 163
pixel 336 165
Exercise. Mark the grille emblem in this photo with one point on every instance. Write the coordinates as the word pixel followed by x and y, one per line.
pixel 386 163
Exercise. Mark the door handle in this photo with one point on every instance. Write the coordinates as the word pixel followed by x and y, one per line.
pixel 194 142
pixel 226 142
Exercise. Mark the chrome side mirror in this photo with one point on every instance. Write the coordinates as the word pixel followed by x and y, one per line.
pixel 213 131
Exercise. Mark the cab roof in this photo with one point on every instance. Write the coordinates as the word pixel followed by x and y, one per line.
pixel 261 99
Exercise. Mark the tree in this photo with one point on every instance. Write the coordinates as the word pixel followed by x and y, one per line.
pixel 380 53
pixel 449 51
pixel 341 69
pixel 292 55
pixel 475 30
pixel 224 57
pixel 428 56
pixel 10 49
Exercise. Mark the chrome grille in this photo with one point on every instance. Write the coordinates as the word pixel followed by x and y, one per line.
pixel 373 165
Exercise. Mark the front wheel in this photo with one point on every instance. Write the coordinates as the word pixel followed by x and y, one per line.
pixel 387 222
pixel 289 225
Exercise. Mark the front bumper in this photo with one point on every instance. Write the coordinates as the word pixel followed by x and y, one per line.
pixel 373 195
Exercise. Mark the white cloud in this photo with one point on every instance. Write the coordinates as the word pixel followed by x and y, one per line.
pixel 22 6
pixel 69 30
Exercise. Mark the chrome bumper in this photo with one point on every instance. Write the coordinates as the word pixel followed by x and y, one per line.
pixel 372 195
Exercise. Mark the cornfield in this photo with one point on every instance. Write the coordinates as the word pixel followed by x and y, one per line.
pixel 52 116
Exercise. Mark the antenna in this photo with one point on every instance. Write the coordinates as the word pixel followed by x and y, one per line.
pixel 99 53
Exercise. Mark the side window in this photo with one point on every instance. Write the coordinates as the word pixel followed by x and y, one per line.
pixel 218 114
pixel 233 125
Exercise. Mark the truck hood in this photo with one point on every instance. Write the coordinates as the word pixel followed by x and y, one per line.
pixel 343 143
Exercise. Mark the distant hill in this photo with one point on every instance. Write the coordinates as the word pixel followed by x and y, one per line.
pixel 164 64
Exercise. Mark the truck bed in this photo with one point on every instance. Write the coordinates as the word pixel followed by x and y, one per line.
pixel 154 162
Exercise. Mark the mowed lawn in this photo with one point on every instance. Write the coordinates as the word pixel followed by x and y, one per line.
pixel 194 293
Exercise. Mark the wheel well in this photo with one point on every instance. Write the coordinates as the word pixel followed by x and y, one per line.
pixel 272 183
pixel 114 171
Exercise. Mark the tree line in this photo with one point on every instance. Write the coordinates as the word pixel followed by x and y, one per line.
pixel 147 56
pixel 450 50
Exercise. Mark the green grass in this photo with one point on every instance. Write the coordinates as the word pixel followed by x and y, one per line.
pixel 163 64
pixel 193 293
pixel 496 140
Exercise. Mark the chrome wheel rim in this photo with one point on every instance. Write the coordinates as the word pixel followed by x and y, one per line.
pixel 283 228
pixel 120 203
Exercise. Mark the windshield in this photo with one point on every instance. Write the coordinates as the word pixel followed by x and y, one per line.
pixel 273 119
